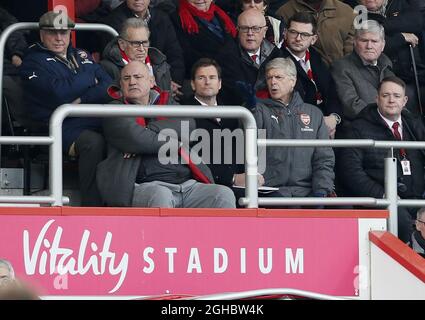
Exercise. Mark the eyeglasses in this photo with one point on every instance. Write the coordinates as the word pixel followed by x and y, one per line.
pixel 137 44
pixel 254 29
pixel 255 1
pixel 303 35
pixel 420 221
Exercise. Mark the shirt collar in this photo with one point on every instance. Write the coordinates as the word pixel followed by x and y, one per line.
pixel 257 53
pixel 390 122
pixel 296 57
pixel 203 103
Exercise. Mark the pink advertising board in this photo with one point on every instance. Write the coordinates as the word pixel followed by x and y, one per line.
pixel 151 255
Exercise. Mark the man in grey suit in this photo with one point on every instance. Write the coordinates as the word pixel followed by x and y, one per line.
pixel 358 74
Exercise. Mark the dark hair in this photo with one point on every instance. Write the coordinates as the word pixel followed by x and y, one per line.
pixel 394 79
pixel 205 62
pixel 239 4
pixel 266 3
pixel 303 17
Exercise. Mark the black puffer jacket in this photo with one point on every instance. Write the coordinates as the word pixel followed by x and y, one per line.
pixel 361 170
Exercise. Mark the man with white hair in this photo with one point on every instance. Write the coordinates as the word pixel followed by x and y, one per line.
pixel 297 172
pixel 358 74
pixel 132 44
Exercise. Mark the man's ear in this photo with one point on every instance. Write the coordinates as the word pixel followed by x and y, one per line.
pixel 192 84
pixel 314 39
pixel 406 98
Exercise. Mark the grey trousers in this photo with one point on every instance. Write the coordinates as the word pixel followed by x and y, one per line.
pixel 190 194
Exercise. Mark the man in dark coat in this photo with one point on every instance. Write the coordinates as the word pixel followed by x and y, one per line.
pixel 206 84
pixel 138 172
pixel 55 73
pixel 133 44
pixel 358 74
pixel 314 81
pixel 163 36
pixel 361 170
pixel 403 24
pixel 247 65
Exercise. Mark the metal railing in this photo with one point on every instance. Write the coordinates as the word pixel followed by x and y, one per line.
pixel 251 200
pixel 34 26
pixel 391 201
pixel 74 110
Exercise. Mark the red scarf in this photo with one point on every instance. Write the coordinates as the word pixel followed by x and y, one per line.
pixel 319 99
pixel 188 12
pixel 124 56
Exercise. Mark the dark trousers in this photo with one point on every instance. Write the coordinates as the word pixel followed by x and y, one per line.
pixel 90 148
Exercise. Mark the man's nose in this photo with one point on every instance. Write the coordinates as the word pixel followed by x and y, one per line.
pixel 132 80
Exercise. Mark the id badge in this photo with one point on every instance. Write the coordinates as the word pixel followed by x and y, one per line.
pixel 405 165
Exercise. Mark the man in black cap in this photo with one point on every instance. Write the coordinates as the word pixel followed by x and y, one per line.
pixel 55 73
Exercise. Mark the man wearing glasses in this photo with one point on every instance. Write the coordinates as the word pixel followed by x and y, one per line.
pixel 418 237
pixel 357 75
pixel 247 67
pixel 132 44
pixel 335 21
pixel 314 81
pixel 163 35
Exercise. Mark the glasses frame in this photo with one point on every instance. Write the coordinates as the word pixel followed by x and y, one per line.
pixel 420 221
pixel 137 44
pixel 303 35
pixel 254 29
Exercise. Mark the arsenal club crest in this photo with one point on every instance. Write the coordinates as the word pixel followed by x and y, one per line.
pixel 82 54
pixel 305 118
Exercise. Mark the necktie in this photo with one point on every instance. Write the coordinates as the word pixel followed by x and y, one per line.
pixel 397 136
pixel 254 58
pixel 396 133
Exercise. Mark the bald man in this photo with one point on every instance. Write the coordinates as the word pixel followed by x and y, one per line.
pixel 134 174
pixel 254 53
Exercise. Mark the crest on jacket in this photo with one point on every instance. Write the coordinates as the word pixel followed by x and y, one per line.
pixel 305 119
